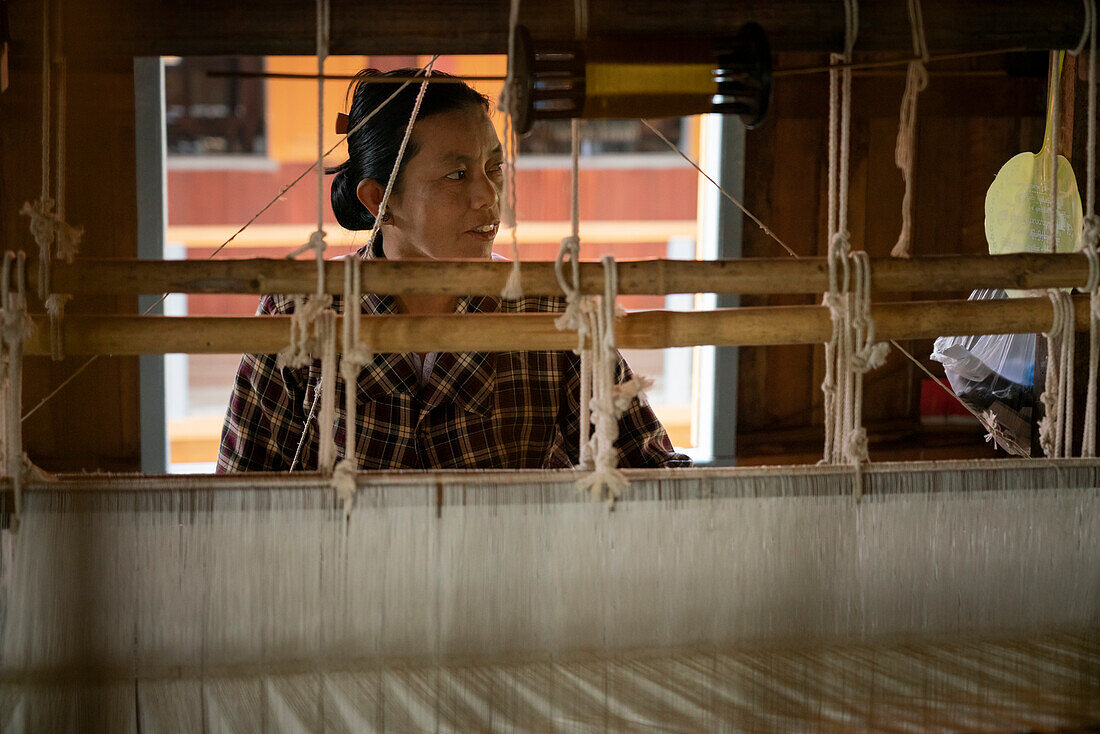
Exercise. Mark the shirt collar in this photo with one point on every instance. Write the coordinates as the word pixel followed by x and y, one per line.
pixel 464 378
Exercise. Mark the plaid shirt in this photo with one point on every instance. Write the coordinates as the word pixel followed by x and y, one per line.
pixel 507 410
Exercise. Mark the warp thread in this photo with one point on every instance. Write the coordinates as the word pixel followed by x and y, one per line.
pixel 916 80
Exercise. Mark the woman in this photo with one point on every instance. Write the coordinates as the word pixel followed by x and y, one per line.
pixel 438 410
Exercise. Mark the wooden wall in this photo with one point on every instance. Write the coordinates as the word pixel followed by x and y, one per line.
pixel 970 121
pixel 93 423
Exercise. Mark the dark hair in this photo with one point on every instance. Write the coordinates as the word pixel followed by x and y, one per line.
pixel 372 149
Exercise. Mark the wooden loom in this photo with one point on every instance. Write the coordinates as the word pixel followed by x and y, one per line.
pixel 953 596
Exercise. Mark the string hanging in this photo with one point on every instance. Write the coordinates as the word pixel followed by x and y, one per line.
pixel 15 326
pixel 1090 237
pixel 356 355
pixel 1055 428
pixel 312 324
pixel 852 350
pixel 577 305
pixel 47 213
pixel 513 288
pixel 916 80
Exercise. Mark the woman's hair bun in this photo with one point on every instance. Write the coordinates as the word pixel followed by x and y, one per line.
pixel 349 211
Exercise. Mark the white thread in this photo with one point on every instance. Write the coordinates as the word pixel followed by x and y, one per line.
pixel 578 306
pixel 355 355
pixel 606 481
pixel 916 80
pixel 14 319
pixel 1055 428
pixel 851 350
pixel 513 288
pixel 312 325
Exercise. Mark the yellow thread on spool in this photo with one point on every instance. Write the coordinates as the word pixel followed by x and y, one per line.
pixel 620 80
pixel 652 90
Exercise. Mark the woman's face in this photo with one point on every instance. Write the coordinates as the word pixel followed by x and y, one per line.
pixel 449 202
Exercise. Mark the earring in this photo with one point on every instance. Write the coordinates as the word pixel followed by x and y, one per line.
pixel 386 217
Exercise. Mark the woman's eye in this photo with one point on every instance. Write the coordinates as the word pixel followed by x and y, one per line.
pixel 496 169
pixel 457 175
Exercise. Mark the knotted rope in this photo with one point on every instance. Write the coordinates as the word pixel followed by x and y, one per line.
pixel 356 355
pixel 1055 428
pixel 601 401
pixel 852 350
pixel 513 288
pixel 47 213
pixel 916 80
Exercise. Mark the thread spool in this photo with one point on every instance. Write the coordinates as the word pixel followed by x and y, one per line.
pixel 642 76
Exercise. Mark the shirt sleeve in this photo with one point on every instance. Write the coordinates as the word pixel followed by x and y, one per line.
pixel 643 442
pixel 265 418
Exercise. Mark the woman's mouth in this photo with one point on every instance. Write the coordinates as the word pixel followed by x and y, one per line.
pixel 486 232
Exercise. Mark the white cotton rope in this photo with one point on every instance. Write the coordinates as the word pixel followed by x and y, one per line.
pixel 1090 238
pixel 355 354
pixel 577 304
pixel 1055 428
pixel 15 325
pixel 513 288
pixel 916 80
pixel 851 350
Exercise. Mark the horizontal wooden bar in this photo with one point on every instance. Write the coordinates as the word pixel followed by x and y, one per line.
pixel 636 277
pixel 758 326
pixel 211 27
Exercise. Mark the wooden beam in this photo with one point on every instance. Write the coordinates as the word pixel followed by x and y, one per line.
pixel 761 326
pixel 213 27
pixel 638 277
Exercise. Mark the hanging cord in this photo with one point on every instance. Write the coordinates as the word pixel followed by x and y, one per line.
pixel 47 213
pixel 1055 433
pixel 1090 236
pixel 1055 114
pixel 609 400
pixel 851 350
pixel 355 354
pixel 55 309
pixel 578 306
pixel 916 80
pixel 1088 438
pixel 16 326
pixel 513 288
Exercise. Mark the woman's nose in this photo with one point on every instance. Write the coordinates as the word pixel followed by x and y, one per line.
pixel 485 192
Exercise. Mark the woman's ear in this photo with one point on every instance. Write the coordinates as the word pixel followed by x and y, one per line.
pixel 370 192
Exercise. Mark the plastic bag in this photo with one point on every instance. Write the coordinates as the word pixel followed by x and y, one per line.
pixel 994 374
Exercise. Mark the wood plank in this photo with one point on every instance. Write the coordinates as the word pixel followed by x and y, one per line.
pixel 210 27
